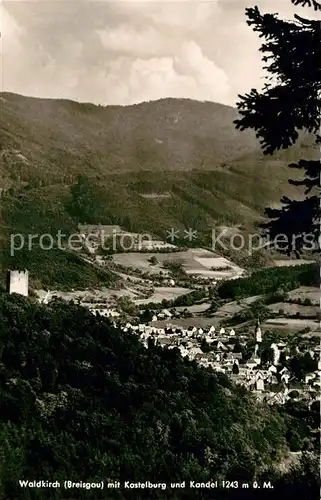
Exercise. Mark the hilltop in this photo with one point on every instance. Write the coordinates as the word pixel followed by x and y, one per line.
pixel 149 167
pixel 169 134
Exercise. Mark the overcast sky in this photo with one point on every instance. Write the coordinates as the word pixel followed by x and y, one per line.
pixel 113 52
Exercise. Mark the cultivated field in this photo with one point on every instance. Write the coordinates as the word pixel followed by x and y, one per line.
pixel 198 322
pixel 195 261
pixel 306 292
pixel 231 308
pixel 292 262
pixel 292 324
pixel 164 293
pixel 195 309
pixel 292 309
pixel 87 296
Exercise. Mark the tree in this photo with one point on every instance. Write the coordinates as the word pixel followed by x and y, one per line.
pixel 282 358
pixel 126 305
pixel 108 399
pixel 235 369
pixel 302 364
pixel 238 347
pixel 205 346
pixel 285 111
pixel 146 316
pixel 267 356
pixel 153 261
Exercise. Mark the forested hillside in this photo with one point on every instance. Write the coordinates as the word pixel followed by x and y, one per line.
pixel 82 401
pixel 270 280
pixel 172 163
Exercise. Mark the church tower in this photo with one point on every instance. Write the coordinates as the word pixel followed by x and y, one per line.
pixel 258 332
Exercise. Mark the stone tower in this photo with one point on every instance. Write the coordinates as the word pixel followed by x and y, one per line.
pixel 18 282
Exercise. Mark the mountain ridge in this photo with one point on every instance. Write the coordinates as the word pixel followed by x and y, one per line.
pixel 212 174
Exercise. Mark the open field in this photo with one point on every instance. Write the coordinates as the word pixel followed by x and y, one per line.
pixel 196 261
pixel 88 296
pixel 57 169
pixel 187 322
pixel 292 309
pixel 231 308
pixel 306 292
pixel 292 325
pixel 164 293
pixel 195 309
pixel 292 262
pixel 308 311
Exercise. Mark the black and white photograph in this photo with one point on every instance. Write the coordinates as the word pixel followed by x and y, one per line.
pixel 160 185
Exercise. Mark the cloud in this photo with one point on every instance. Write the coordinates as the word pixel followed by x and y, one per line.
pixel 150 66
pixel 123 52
pixel 184 14
pixel 126 40
pixel 11 32
pixel 159 77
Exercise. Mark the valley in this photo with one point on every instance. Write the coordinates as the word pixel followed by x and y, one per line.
pixel 65 164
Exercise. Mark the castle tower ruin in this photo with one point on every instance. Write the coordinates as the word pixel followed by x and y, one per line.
pixel 18 282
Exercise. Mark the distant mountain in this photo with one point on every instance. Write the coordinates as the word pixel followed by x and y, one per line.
pixel 151 166
pixel 169 134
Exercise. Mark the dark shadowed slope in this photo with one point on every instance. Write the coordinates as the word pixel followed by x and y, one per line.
pixel 83 401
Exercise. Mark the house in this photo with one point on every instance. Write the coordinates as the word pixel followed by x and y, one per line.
pixel 99 229
pixel 284 371
pixel 106 313
pixel 235 356
pixel 217 345
pixel 255 357
pixel 278 398
pixel 259 375
pixel 276 353
pixel 218 368
pixel 259 384
pixel 309 377
pixel 285 377
pixel 195 350
pixel 163 341
pixel 183 350
pixel 251 363
pixel 212 330
pixel 272 370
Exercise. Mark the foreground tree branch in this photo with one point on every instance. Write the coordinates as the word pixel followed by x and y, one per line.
pixel 287 109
